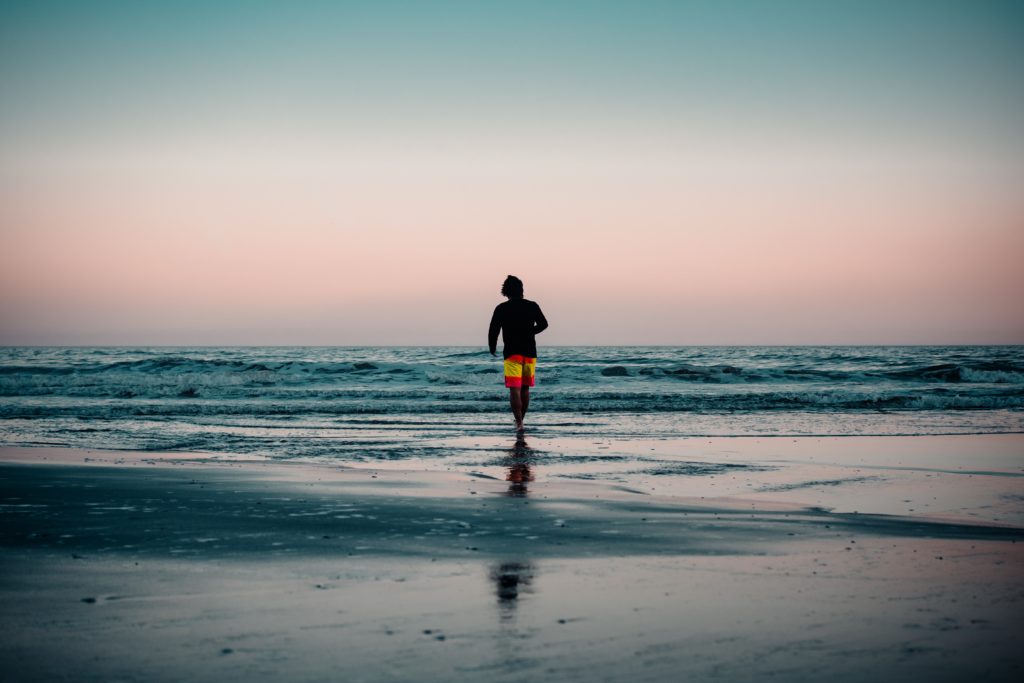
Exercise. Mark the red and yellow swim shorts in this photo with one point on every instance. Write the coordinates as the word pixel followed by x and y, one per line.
pixel 519 371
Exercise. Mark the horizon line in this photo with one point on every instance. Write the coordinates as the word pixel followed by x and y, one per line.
pixel 484 348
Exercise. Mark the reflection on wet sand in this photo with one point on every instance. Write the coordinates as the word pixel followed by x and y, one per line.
pixel 512 578
pixel 520 459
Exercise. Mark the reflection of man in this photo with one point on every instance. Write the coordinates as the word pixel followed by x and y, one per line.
pixel 519 475
pixel 519 320
pixel 511 578
pixel 518 463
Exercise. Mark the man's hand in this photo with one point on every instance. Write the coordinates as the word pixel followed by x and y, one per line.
pixel 494 353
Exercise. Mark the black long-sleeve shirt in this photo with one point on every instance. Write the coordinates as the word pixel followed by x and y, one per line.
pixel 519 320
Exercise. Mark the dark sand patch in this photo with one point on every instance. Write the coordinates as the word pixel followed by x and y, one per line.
pixel 219 512
pixel 817 483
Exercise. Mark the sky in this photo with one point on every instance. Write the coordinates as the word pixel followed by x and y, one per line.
pixel 731 172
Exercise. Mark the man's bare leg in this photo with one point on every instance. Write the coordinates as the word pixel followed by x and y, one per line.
pixel 524 398
pixel 516 399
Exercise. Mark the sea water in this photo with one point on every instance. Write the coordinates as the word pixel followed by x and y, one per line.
pixel 345 403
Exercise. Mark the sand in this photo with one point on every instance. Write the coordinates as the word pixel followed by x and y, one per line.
pixel 846 559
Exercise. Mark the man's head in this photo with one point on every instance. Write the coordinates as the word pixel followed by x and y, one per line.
pixel 512 287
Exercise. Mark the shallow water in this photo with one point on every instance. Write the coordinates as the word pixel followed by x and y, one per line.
pixel 394 402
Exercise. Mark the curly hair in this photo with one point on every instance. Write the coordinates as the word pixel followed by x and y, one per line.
pixel 512 287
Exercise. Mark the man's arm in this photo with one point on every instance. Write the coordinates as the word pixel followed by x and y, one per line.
pixel 492 332
pixel 540 323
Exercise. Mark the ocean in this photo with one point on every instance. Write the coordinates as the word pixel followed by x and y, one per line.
pixel 390 403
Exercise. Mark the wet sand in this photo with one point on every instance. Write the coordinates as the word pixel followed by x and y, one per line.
pixel 127 566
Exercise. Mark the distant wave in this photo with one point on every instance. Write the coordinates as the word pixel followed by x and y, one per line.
pixel 151 397
pixel 986 372
pixel 169 375
pixel 466 354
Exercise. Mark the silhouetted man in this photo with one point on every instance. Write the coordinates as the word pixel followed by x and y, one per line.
pixel 519 320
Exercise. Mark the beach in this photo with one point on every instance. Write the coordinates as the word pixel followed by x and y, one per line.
pixel 793 558
pixel 478 342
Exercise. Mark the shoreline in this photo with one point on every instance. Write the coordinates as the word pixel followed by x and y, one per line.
pixel 970 479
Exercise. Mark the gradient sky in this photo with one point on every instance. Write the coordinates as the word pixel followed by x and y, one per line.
pixel 368 172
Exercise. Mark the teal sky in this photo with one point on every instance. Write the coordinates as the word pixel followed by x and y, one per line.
pixel 652 112
pixel 471 67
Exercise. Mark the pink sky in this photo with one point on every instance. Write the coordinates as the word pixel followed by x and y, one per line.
pixel 755 251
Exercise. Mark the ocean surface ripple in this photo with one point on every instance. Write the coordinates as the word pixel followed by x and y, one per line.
pixel 296 401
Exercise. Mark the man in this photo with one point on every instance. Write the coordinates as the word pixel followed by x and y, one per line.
pixel 519 320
